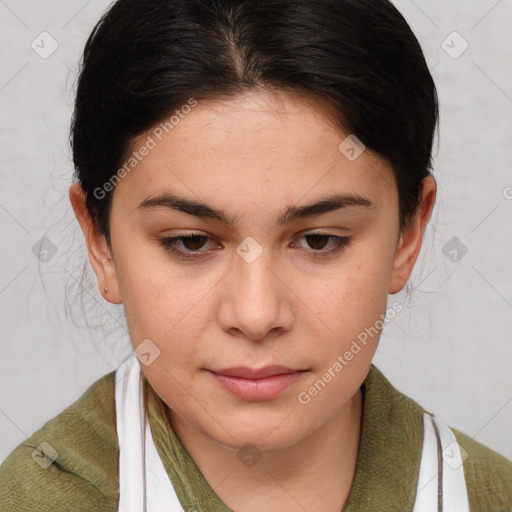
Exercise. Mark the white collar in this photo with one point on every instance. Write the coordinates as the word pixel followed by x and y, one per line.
pixel 143 481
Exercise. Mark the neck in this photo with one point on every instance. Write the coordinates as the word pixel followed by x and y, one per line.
pixel 314 474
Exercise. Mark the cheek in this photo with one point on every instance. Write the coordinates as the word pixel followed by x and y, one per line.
pixel 351 298
pixel 350 308
pixel 167 308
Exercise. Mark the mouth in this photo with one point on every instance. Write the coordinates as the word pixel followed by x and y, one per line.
pixel 245 372
pixel 256 384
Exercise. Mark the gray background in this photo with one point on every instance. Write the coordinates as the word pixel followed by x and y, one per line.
pixel 450 349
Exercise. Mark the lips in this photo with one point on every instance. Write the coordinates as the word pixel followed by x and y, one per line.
pixel 244 372
pixel 256 384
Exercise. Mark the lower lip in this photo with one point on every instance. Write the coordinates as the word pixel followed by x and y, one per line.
pixel 257 389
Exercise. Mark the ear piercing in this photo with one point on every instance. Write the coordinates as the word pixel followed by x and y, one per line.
pixel 106 288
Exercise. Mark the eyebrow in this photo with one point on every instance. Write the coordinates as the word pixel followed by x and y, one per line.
pixel 289 214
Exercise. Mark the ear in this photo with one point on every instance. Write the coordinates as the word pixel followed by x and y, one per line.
pixel 100 254
pixel 411 239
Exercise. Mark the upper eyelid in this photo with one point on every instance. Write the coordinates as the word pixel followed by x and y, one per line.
pixel 312 231
pixel 211 239
pixel 201 235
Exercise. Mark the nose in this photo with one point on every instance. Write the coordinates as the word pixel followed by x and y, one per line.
pixel 257 301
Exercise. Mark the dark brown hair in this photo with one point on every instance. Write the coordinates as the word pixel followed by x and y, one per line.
pixel 145 59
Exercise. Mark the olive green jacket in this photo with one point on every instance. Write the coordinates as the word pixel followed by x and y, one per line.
pixel 85 475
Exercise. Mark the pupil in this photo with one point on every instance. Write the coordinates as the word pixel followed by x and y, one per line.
pixel 191 239
pixel 317 238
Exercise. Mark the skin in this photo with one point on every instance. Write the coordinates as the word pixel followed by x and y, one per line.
pixel 252 156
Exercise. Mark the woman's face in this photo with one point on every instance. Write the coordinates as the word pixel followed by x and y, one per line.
pixel 264 282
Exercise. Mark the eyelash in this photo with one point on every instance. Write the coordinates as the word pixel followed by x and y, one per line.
pixel 169 244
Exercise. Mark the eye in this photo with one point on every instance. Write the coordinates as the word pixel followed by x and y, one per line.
pixel 190 246
pixel 192 242
pixel 318 241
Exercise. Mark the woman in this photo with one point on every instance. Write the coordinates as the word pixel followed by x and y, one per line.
pixel 253 182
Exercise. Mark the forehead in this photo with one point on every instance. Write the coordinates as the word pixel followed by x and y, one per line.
pixel 271 146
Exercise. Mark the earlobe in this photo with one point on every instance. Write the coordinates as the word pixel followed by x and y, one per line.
pixel 100 254
pixel 410 242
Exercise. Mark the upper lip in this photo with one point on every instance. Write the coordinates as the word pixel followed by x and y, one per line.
pixel 255 373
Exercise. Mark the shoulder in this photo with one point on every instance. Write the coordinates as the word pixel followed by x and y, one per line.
pixel 71 463
pixel 488 475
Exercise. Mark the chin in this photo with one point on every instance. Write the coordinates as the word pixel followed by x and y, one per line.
pixel 263 434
